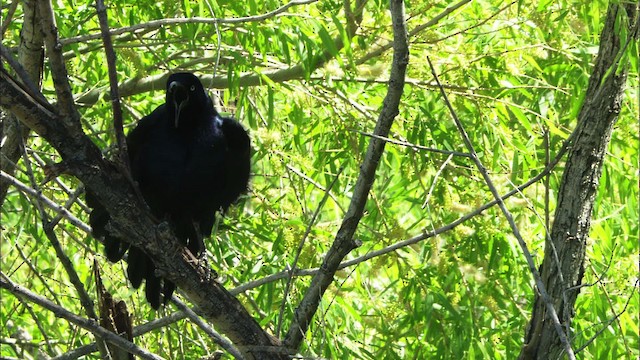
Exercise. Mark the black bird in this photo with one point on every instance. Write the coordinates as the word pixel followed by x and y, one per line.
pixel 189 162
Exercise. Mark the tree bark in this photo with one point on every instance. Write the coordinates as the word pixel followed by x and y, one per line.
pixel 83 160
pixel 344 242
pixel 60 126
pixel 31 57
pixel 563 265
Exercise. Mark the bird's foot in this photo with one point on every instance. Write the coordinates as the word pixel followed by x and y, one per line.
pixel 210 274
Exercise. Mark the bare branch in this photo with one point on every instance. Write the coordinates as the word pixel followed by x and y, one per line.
pixel 46 201
pixel 344 243
pixel 294 266
pixel 413 146
pixel 113 85
pixel 157 24
pixel 217 338
pixel 84 323
pixel 71 118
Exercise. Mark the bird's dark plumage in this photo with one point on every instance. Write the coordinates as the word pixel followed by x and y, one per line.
pixel 188 162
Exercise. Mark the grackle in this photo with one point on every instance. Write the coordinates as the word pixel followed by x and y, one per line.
pixel 189 162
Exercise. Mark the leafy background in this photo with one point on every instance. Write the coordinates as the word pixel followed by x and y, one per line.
pixel 514 72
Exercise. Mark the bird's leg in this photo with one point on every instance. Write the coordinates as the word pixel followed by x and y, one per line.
pixel 196 245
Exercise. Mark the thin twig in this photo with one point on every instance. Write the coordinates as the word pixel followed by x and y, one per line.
pixel 435 20
pixel 294 266
pixel 314 183
pixel 610 321
pixel 435 179
pixel 7 19
pixel 478 24
pixel 413 146
pixel 216 26
pixel 46 201
pixel 516 232
pixel 156 24
pixel 217 338
pixel 27 304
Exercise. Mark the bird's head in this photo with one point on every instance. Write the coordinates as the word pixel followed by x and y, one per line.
pixel 186 97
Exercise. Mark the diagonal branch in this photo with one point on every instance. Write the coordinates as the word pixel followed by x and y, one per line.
pixel 133 222
pixel 101 10
pixel 70 118
pixel 87 324
pixel 580 180
pixel 292 269
pixel 507 214
pixel 344 242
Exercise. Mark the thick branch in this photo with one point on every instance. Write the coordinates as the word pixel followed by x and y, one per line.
pixel 84 160
pixel 30 57
pixel 579 185
pixel 344 242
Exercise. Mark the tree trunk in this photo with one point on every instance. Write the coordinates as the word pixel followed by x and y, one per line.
pixel 563 265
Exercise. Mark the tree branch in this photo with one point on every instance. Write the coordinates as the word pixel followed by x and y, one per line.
pixel 344 243
pixel 65 104
pixel 86 324
pixel 507 214
pixel 579 185
pixel 30 59
pixel 101 10
pixel 157 24
pixel 84 160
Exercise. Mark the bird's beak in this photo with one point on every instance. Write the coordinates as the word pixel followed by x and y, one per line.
pixel 180 97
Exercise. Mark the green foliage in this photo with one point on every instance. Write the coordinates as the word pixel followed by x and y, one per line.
pixel 512 74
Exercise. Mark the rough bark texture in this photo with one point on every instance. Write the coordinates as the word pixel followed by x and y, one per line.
pixel 563 265
pixel 60 126
pixel 84 160
pixel 31 57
